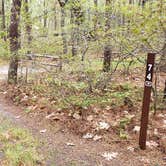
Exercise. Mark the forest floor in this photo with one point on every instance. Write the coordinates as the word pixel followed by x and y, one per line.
pixel 104 136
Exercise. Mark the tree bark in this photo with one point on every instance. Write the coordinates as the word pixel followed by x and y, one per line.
pixel 107 58
pixel 62 5
pixel 28 24
pixel 2 14
pixel 163 60
pixel 164 96
pixel 142 2
pixel 77 18
pixel 45 15
pixel 73 35
pixel 63 31
pixel 107 47
pixel 95 14
pixel 14 42
pixel 55 16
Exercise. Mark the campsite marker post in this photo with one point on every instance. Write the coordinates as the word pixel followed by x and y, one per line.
pixel 146 100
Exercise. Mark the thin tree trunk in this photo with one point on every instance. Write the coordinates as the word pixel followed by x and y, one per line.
pixel 2 14
pixel 107 47
pixel 107 58
pixel 77 17
pixel 14 42
pixel 63 31
pixel 95 13
pixel 55 16
pixel 28 24
pixel 142 3
pixel 73 35
pixel 164 96
pixel 45 15
pixel 163 58
pixel 62 5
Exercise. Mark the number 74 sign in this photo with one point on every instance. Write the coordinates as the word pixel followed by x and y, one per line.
pixel 146 100
pixel 149 69
pixel 149 73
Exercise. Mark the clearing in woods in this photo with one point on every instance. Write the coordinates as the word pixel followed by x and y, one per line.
pixel 67 141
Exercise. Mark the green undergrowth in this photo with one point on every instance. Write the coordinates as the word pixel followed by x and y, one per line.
pixel 17 146
pixel 69 94
pixel 78 85
pixel 110 97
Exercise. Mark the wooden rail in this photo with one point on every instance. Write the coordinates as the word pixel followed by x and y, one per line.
pixel 38 62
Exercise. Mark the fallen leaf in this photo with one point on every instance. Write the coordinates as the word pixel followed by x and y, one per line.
pixel 88 136
pixel 160 115
pixel 76 116
pixel 90 118
pixel 109 155
pixel 151 144
pixel 97 137
pixel 70 144
pixel 50 115
pixel 126 112
pixel 18 117
pixel 103 126
pixel 43 131
pixel 130 149
pixel 136 129
pixel 108 108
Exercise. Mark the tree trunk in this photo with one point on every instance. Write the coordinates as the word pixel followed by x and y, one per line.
pixel 2 14
pixel 163 60
pixel 28 24
pixel 14 42
pixel 62 5
pixel 45 15
pixel 95 16
pixel 107 47
pixel 63 31
pixel 142 3
pixel 77 17
pixel 73 35
pixel 55 16
pixel 164 97
pixel 107 58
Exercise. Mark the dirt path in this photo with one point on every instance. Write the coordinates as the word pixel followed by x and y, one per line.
pixel 57 152
pixel 55 141
pixel 63 148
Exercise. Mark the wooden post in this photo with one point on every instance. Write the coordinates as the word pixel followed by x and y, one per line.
pixel 146 100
